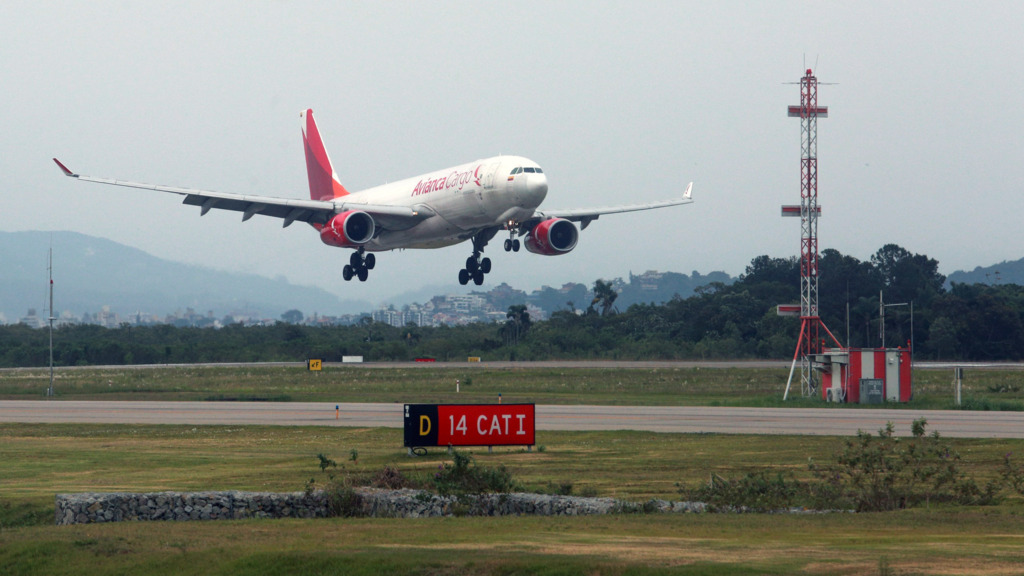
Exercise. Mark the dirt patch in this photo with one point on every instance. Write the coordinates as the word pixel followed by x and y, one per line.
pixel 632 550
pixel 671 552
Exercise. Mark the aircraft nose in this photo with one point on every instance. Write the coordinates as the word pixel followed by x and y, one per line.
pixel 536 189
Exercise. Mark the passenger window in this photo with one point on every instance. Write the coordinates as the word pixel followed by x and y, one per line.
pixel 528 170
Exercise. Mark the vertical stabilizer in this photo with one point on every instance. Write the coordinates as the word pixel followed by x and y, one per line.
pixel 323 182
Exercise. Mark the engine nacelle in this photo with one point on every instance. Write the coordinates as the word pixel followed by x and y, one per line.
pixel 552 237
pixel 348 229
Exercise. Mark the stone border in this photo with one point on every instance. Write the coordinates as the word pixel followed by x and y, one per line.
pixel 184 506
pixel 118 506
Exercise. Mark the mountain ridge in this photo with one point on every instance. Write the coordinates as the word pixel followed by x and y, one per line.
pixel 92 272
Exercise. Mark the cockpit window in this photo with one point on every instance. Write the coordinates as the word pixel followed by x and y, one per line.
pixel 528 170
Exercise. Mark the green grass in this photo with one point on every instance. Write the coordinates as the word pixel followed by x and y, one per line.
pixel 43 459
pixel 40 460
pixel 991 388
pixel 37 461
pixel 920 542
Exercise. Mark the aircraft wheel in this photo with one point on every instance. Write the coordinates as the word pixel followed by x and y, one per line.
pixel 478 277
pixel 346 272
pixel 363 274
pixel 515 245
pixel 471 264
pixel 355 261
pixel 463 277
pixel 370 261
pixel 508 245
pixel 485 265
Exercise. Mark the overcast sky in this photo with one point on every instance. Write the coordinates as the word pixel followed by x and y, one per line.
pixel 620 103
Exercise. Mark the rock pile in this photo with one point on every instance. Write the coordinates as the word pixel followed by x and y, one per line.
pixel 118 506
pixel 180 506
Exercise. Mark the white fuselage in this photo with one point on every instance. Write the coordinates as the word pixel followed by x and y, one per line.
pixel 462 200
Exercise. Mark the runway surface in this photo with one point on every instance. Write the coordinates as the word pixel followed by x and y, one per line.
pixel 839 421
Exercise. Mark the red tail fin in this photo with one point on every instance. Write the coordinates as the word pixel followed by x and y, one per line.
pixel 323 182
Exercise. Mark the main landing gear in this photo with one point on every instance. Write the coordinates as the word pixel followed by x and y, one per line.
pixel 476 266
pixel 359 265
pixel 475 269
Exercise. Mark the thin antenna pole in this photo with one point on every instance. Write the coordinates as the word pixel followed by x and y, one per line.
pixel 49 391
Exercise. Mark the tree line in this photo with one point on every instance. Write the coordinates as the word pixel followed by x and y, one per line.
pixel 975 322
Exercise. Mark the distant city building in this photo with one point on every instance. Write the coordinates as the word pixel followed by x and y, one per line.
pixel 387 314
pixel 452 309
pixel 648 281
pixel 31 320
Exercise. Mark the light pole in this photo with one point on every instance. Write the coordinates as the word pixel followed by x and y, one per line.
pixel 49 391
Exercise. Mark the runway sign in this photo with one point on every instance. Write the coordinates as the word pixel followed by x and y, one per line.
pixel 314 364
pixel 469 425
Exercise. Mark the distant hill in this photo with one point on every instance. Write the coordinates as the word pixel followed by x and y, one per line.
pixel 1002 273
pixel 654 287
pixel 94 272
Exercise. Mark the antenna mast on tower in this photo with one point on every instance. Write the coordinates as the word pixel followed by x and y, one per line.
pixel 809 342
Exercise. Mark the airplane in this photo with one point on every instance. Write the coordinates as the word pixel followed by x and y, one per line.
pixel 473 201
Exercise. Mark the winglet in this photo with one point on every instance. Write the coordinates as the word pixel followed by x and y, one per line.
pixel 65 169
pixel 689 190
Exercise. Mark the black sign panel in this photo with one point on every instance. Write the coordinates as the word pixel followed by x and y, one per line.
pixel 420 425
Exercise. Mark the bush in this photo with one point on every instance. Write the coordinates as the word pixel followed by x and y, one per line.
pixel 758 491
pixel 463 476
pixel 390 478
pixel 885 472
pixel 870 473
pixel 343 500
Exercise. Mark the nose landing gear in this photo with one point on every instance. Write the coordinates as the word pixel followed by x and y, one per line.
pixel 359 265
pixel 512 243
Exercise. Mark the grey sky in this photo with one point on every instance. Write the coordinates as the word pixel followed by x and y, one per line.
pixel 619 103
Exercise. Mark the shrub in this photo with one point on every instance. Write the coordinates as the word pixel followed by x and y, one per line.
pixel 463 476
pixel 885 472
pixel 760 491
pixel 870 473
pixel 343 500
pixel 390 478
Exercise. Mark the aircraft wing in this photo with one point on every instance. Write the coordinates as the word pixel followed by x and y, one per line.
pixel 587 215
pixel 288 209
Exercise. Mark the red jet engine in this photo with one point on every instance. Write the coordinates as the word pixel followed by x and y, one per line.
pixel 348 230
pixel 552 237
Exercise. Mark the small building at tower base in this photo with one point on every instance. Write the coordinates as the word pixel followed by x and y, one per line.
pixel 865 375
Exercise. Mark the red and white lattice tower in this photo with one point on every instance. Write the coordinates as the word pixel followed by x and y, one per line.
pixel 811 326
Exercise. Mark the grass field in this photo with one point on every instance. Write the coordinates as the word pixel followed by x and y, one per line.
pixel 41 460
pixel 995 389
pixel 925 543
pixel 37 461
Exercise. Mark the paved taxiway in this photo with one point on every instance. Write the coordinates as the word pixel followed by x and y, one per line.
pixel 841 421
